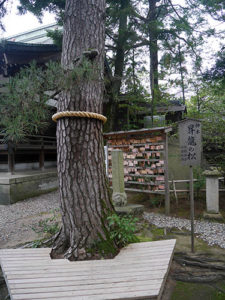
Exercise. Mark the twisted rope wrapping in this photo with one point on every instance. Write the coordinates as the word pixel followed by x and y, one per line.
pixel 81 114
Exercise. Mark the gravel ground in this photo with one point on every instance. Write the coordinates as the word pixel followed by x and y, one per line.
pixel 16 221
pixel 211 232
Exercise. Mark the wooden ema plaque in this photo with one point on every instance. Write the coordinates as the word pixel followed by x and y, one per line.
pixel 143 162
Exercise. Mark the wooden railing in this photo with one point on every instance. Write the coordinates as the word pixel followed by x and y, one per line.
pixel 31 142
pixel 34 143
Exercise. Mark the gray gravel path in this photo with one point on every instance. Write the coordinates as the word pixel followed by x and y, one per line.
pixel 12 220
pixel 12 216
pixel 211 232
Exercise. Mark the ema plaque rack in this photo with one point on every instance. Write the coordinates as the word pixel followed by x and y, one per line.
pixel 145 155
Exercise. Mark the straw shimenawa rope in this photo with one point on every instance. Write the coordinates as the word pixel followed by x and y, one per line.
pixel 81 114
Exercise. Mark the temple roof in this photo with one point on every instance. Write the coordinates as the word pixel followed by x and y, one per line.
pixel 14 55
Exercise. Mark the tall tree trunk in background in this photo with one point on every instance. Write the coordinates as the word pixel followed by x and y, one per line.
pixel 153 50
pixel 84 195
pixel 181 74
pixel 121 44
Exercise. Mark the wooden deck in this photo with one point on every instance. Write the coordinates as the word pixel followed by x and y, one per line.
pixel 139 271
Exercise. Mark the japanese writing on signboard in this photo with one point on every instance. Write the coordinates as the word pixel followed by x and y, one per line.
pixel 190 142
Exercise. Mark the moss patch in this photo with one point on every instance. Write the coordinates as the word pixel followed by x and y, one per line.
pixel 142 239
pixel 195 291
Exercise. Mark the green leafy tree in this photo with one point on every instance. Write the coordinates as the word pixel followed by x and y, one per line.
pixel 209 105
pixel 3 11
pixel 40 6
pixel 135 97
pixel 164 28
pixel 174 30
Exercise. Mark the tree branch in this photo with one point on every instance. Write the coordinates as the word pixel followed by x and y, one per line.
pixel 174 9
pixel 110 47
pixel 2 3
pixel 110 36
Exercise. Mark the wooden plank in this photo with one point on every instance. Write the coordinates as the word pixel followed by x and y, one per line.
pixel 134 295
pixel 46 270
pixel 157 273
pixel 144 183
pixel 88 276
pixel 166 275
pixel 145 191
pixel 136 145
pixel 140 132
pixel 175 192
pixel 84 268
pixel 103 270
pixel 130 255
pixel 105 291
pixel 150 245
pixel 46 255
pixel 141 175
pixel 83 282
pixel 116 264
pixel 96 270
pixel 36 276
pixel 156 284
pixel 120 296
pixel 113 270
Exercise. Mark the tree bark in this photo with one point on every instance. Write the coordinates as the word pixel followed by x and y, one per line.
pixel 84 193
pixel 121 45
pixel 153 50
pixel 181 74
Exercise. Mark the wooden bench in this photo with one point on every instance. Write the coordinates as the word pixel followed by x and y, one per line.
pixel 139 271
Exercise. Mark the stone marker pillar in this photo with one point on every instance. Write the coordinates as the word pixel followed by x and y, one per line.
pixel 212 193
pixel 119 196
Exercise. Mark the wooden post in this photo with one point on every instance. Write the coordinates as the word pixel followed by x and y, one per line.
pixel 192 208
pixel 175 192
pixel 166 174
pixel 11 158
pixel 42 157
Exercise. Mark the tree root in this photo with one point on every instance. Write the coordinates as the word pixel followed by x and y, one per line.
pixel 44 243
pixel 184 277
pixel 2 280
pixel 194 266
pixel 199 264
pixel 200 257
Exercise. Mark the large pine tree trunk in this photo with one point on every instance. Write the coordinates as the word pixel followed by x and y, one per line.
pixel 84 194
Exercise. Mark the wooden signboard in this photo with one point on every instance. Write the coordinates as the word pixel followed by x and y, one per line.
pixel 190 146
pixel 190 142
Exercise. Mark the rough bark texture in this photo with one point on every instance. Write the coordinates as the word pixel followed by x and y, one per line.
pixel 153 49
pixel 83 187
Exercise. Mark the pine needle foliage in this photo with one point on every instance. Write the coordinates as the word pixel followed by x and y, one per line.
pixel 24 106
